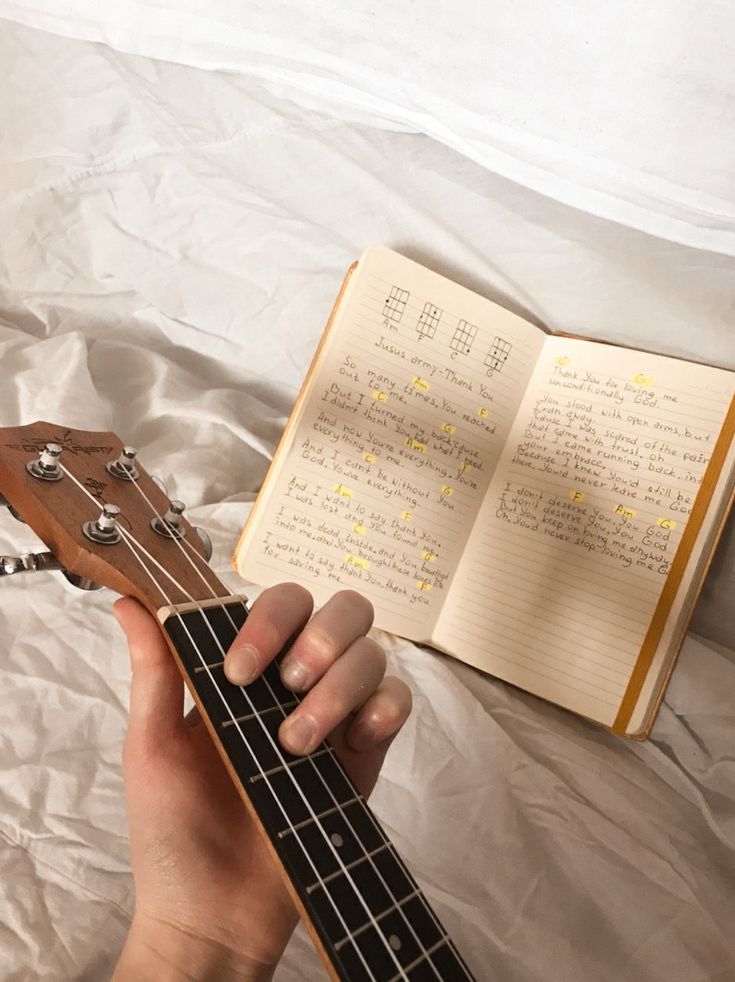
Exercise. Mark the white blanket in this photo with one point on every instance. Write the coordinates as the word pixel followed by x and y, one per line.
pixel 170 244
pixel 623 110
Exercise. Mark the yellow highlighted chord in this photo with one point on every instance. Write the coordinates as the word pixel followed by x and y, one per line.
pixel 640 379
pixel 406 516
pixel 342 491
pixel 449 428
pixel 415 444
pixel 482 412
pixel 357 561
pixel 576 495
pixel 359 528
pixel 666 523
pixel 428 555
pixel 420 383
pixel 563 360
pixel 446 490
pixel 380 396
pixel 369 457
pixel 624 512
pixel 423 585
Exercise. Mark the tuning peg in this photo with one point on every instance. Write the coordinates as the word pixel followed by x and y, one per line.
pixel 104 530
pixel 41 562
pixel 46 467
pixel 124 466
pixel 206 542
pixel 170 525
pixel 80 582
pixel 28 562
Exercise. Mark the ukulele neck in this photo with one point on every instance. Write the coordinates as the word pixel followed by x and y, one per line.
pixel 363 907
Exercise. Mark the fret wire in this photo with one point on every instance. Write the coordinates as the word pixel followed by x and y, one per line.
pixel 388 910
pixel 260 712
pixel 127 536
pixel 287 765
pixel 355 862
pixel 319 817
pixel 214 664
pixel 368 812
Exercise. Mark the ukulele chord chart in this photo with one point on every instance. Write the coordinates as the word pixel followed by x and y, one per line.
pixel 428 321
pixel 464 334
pixel 497 355
pixel 395 303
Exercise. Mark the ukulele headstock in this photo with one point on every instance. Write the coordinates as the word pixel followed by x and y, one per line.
pixel 90 501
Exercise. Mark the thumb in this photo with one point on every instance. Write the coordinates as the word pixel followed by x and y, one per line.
pixel 156 688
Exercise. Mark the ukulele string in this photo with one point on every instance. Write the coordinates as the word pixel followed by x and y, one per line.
pixel 395 903
pixel 134 545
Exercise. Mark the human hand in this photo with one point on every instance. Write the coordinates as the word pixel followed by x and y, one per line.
pixel 210 901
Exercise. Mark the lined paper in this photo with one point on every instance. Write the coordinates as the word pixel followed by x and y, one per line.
pixel 581 521
pixel 393 450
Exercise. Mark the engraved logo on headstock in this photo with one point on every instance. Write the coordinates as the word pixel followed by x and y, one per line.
pixel 66 442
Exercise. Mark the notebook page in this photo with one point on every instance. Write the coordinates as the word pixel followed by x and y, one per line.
pixel 390 455
pixel 576 535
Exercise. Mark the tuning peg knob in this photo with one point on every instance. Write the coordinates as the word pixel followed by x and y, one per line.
pixel 170 524
pixel 104 530
pixel 28 562
pixel 46 467
pixel 41 562
pixel 206 542
pixel 124 467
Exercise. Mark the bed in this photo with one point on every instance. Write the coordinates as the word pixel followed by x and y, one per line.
pixel 172 238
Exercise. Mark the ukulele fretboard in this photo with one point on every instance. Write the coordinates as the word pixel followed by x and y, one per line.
pixel 370 915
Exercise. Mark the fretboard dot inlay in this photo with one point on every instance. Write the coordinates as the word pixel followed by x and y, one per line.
pixel 337 839
pixel 395 942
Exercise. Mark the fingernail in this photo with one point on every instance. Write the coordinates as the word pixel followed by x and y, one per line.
pixel 298 734
pixel 294 676
pixel 241 664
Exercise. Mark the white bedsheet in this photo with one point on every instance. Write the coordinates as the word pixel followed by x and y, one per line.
pixel 170 245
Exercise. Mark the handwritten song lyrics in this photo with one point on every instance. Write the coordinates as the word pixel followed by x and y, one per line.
pixel 395 449
pixel 582 521
pixel 609 464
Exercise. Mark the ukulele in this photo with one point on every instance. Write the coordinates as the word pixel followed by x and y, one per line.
pixel 108 523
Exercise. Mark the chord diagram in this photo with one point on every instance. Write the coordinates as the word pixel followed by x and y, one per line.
pixel 428 321
pixel 464 334
pixel 497 355
pixel 395 304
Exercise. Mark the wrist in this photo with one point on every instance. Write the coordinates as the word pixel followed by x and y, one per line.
pixel 157 950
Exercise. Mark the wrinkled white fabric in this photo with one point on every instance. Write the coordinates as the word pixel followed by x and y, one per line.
pixel 623 110
pixel 171 242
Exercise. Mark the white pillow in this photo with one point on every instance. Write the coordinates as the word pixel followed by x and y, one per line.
pixel 623 110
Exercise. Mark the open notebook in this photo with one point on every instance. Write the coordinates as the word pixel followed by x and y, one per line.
pixel 539 506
